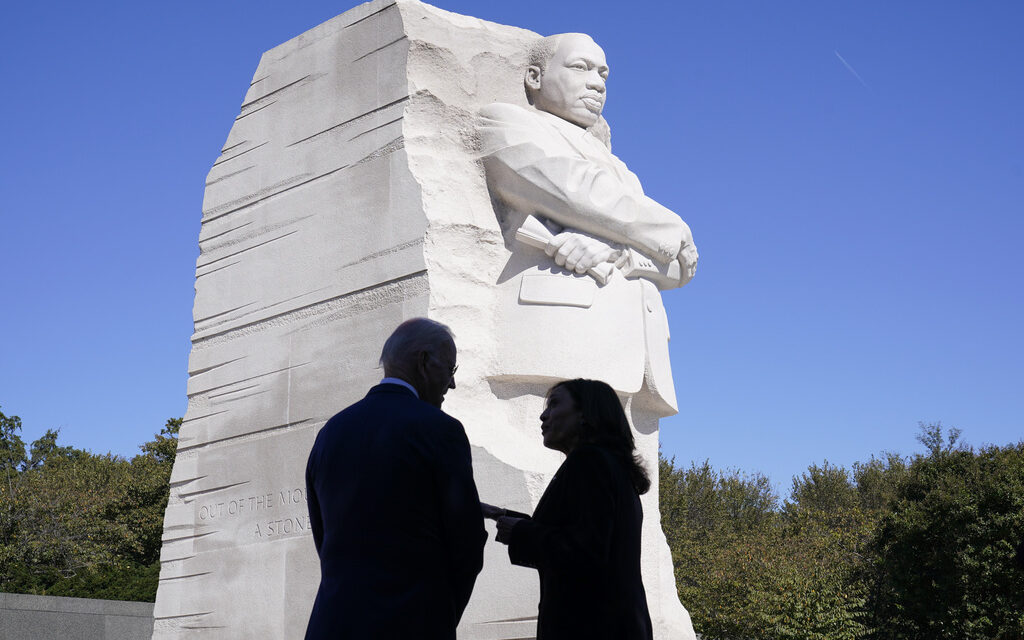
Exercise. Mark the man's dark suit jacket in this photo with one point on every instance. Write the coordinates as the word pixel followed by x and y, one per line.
pixel 584 540
pixel 396 520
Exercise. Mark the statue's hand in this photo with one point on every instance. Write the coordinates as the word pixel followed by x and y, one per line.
pixel 687 261
pixel 579 252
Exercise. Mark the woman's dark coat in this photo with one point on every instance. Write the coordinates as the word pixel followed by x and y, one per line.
pixel 584 541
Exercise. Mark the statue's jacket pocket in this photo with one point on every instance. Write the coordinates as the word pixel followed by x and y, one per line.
pixel 557 289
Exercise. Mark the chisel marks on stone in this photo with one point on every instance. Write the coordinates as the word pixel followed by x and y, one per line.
pixel 241 251
pixel 249 379
pixel 204 416
pixel 189 496
pixel 237 398
pixel 236 145
pixel 180 483
pixel 391 147
pixel 225 393
pixel 222 160
pixel 303 80
pixel 352 120
pixel 183 615
pixel 251 435
pixel 185 577
pixel 194 536
pixel 196 372
pixel 223 266
pixel 224 233
pixel 379 11
pixel 209 626
pixel 380 126
pixel 390 251
pixel 223 313
pixel 383 46
pixel 402 287
pixel 262 195
pixel 285 301
pixel 229 175
pixel 223 240
pixel 255 110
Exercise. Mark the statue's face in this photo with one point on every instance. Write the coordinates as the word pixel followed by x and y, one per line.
pixel 572 86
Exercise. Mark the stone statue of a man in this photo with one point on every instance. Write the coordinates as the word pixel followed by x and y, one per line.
pixel 558 187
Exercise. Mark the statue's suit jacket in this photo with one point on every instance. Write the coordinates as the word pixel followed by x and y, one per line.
pixel 538 164
pixel 396 520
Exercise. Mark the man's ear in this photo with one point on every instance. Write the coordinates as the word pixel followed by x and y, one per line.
pixel 533 75
pixel 421 363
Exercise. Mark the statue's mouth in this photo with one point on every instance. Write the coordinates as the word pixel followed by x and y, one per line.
pixel 593 103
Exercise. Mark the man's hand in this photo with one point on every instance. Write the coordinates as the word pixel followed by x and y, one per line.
pixel 491 511
pixel 578 252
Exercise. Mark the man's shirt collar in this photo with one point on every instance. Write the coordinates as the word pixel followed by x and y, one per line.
pixel 401 382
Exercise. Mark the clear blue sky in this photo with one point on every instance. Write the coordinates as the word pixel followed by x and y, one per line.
pixel 853 173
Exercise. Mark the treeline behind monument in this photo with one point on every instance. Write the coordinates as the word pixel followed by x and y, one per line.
pixel 927 546
pixel 923 547
pixel 79 524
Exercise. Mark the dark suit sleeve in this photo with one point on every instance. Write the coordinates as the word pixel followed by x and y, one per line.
pixel 572 530
pixel 316 523
pixel 461 517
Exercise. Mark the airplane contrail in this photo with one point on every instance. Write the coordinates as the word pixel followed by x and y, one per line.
pixel 852 70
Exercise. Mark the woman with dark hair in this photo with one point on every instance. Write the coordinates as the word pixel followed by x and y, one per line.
pixel 584 536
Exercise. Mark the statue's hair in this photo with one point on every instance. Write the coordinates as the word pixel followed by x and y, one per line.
pixel 542 50
pixel 409 339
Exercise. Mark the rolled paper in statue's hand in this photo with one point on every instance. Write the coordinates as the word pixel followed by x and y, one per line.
pixel 535 234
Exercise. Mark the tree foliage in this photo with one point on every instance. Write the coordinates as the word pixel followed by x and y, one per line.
pixel 77 523
pixel 947 559
pixel 925 547
pixel 748 567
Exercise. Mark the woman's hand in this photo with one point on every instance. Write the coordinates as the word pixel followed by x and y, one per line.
pixel 505 526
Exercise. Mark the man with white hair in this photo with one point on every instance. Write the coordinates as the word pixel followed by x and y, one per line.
pixel 393 506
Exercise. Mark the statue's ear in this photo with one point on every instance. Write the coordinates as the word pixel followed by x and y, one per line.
pixel 532 80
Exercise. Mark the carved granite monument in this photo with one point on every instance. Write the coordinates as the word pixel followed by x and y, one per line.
pixel 402 161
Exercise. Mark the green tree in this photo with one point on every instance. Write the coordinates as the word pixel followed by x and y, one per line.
pixel 878 481
pixel 747 569
pixel 716 525
pixel 825 490
pixel 946 555
pixel 12 448
pixel 82 524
